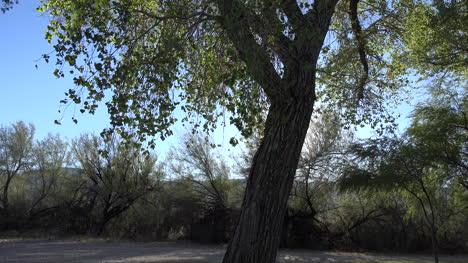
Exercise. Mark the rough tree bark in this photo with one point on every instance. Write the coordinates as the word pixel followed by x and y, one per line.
pixel 257 235
pixel 292 98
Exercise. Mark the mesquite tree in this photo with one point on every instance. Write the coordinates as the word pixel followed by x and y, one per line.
pixel 207 58
pixel 16 144
pixel 116 177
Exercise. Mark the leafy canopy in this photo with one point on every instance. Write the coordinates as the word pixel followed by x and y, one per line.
pixel 434 147
pixel 160 61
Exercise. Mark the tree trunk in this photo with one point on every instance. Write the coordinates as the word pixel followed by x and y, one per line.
pixel 435 247
pixel 98 226
pixel 257 234
pixel 5 202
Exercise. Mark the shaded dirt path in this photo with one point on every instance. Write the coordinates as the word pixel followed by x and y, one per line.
pixel 43 251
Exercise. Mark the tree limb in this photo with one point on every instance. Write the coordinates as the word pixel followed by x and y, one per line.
pixel 356 27
pixel 293 12
pixel 279 43
pixel 234 21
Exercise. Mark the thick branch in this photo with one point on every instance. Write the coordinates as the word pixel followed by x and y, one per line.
pixel 320 16
pixel 293 12
pixel 315 27
pixel 279 43
pixel 258 62
pixel 353 4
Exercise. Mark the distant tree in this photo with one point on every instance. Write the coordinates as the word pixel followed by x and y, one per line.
pixel 428 164
pixel 356 212
pixel 321 161
pixel 196 161
pixel 116 176
pixel 16 144
pixel 46 175
pixel 322 158
pixel 440 128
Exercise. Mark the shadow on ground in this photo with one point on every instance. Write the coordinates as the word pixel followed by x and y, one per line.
pixel 43 251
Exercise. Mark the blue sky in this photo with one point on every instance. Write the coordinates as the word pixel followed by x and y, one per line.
pixel 32 94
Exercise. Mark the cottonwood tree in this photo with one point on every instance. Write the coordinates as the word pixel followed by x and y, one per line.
pixel 203 57
pixel 436 37
pixel 16 143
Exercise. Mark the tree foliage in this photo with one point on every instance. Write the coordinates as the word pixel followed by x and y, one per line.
pixel 53 195
pixel 435 33
pixel 158 57
pixel 428 163
pixel 196 161
pixel 45 173
pixel 7 5
pixel 440 126
pixel 204 59
pixel 117 176
pixel 321 160
pixel 16 142
pixel 155 56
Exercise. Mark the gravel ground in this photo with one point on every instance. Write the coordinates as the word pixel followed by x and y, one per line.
pixel 44 251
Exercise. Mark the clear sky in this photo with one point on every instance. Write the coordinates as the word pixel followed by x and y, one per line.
pixel 32 94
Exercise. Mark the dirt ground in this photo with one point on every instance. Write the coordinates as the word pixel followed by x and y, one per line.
pixel 44 251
